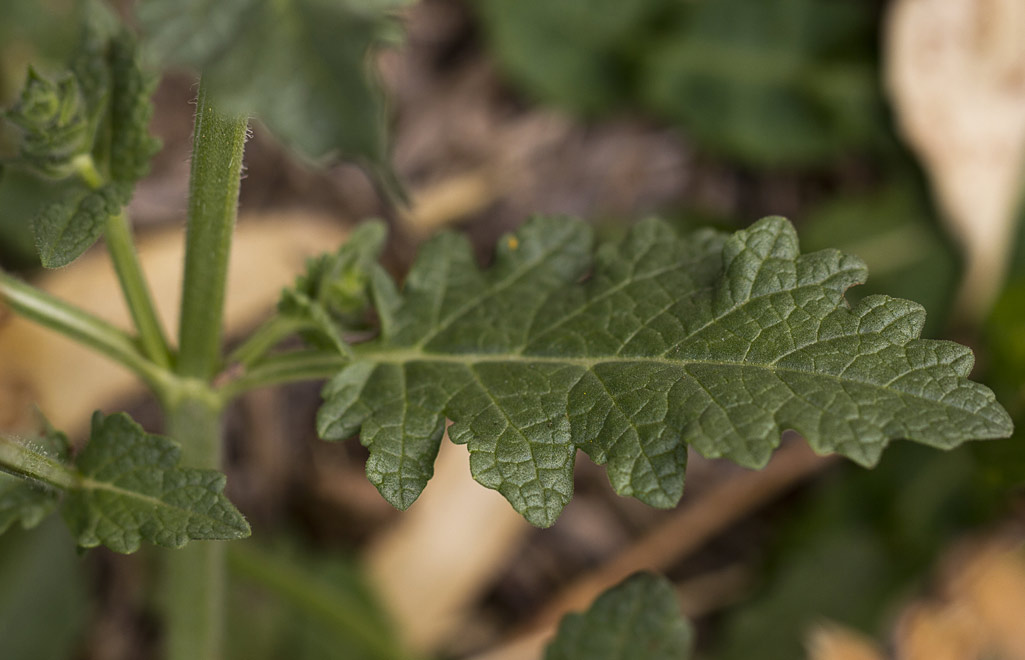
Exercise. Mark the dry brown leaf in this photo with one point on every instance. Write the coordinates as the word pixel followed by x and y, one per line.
pixel 979 615
pixel 992 586
pixel 449 201
pixel 955 72
pixel 835 642
pixel 432 565
pixel 940 632
pixel 68 382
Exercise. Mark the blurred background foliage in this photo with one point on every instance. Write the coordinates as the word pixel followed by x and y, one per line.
pixel 775 94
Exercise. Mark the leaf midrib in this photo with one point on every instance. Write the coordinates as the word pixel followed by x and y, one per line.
pixel 88 484
pixel 404 356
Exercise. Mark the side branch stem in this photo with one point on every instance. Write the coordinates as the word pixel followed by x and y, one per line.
pixel 136 290
pixel 79 325
pixel 289 367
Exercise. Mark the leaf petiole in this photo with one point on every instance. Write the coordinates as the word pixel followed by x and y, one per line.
pixel 264 338
pixel 291 367
pixel 81 326
pixel 136 290
pixel 121 247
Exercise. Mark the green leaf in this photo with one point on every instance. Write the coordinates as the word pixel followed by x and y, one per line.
pixel 131 146
pixel 574 53
pixel 302 67
pixel 714 341
pixel 777 82
pixel 90 127
pixel 132 489
pixel 774 82
pixel 22 196
pixel 895 232
pixel 638 619
pixel 69 226
pixel 29 502
pixel 332 294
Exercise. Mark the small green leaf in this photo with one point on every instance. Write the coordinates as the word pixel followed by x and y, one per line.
pixel 714 341
pixel 131 145
pixel 66 228
pixel 90 127
pixel 132 489
pixel 332 295
pixel 55 124
pixel 638 619
pixel 302 67
pixel 30 502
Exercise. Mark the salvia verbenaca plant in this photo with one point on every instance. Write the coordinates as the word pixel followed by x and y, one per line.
pixel 631 351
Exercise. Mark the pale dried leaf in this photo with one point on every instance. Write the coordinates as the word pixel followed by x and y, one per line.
pixel 835 642
pixel 421 569
pixel 956 75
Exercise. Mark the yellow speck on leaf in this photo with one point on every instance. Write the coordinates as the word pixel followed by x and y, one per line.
pixel 513 242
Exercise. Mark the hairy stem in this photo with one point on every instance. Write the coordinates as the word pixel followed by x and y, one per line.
pixel 195 575
pixel 74 323
pixel 136 290
pixel 21 460
pixel 213 200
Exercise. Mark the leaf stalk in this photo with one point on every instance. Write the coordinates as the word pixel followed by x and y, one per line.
pixel 136 291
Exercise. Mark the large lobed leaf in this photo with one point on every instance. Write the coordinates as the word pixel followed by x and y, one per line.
pixel 714 341
pixel 638 619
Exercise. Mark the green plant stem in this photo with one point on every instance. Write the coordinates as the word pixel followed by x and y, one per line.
pixel 289 367
pixel 263 339
pixel 195 575
pixel 136 291
pixel 80 326
pixel 309 593
pixel 20 460
pixel 213 201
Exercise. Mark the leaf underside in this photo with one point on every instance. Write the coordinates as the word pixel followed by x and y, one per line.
pixel 302 67
pixel 133 490
pixel 638 619
pixel 66 228
pixel 634 353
